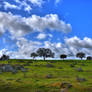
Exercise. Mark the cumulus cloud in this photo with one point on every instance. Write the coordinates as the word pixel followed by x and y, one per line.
pixel 19 26
pixel 77 42
pixel 41 36
pixel 25 48
pixel 75 45
pixel 22 4
pixel 11 6
pixel 71 46
pixel 14 24
pixel 50 21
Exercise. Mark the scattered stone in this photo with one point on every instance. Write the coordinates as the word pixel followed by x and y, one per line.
pixel 80 69
pixel 71 65
pixel 49 65
pixel 83 64
pixel 52 61
pixel 66 85
pixel 80 79
pixel 7 68
pixel 30 62
pixel 49 76
pixel 14 71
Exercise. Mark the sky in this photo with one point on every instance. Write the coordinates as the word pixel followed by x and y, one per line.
pixel 64 26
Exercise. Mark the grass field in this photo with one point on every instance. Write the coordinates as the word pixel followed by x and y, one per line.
pixel 35 79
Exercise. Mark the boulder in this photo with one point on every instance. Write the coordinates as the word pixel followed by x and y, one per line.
pixel 80 69
pixel 80 79
pixel 7 68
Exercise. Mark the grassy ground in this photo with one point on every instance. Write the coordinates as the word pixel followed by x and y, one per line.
pixel 36 81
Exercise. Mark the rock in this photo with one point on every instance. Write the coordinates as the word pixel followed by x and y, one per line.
pixel 80 79
pixel 49 76
pixel 69 85
pixel 14 71
pixel 71 65
pixel 52 61
pixel 49 65
pixel 80 69
pixel 18 67
pixel 7 68
pixel 66 85
pixel 30 62
pixel 83 64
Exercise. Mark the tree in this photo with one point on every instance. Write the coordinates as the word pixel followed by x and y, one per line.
pixel 45 52
pixel 80 55
pixel 63 56
pixel 4 57
pixel 34 55
pixel 89 58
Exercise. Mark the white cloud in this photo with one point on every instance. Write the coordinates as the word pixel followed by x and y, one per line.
pixel 50 35
pixel 41 36
pixel 75 45
pixel 50 21
pixel 37 2
pixel 14 24
pixel 24 4
pixel 58 1
pixel 19 26
pixel 11 6
pixel 77 42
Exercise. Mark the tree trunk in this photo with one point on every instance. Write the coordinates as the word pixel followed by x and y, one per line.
pixel 44 58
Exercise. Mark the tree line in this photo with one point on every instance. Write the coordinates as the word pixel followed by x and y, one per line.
pixel 47 52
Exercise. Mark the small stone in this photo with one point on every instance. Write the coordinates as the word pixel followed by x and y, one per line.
pixel 71 65
pixel 49 65
pixel 80 69
pixel 49 76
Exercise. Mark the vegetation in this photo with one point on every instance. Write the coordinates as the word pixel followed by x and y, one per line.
pixel 80 55
pixel 45 52
pixel 54 76
pixel 63 56
pixel 40 78
pixel 34 55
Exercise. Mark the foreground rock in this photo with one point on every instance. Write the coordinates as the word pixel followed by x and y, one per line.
pixel 66 85
pixel 49 65
pixel 80 69
pixel 80 79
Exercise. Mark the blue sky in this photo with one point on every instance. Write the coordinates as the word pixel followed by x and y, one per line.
pixel 62 25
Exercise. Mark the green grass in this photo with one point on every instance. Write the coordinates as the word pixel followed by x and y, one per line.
pixel 36 80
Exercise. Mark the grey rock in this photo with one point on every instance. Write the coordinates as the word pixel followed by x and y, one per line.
pixel 80 79
pixel 49 76
pixel 80 69
pixel 49 65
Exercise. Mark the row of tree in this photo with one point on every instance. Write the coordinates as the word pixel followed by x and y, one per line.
pixel 46 52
